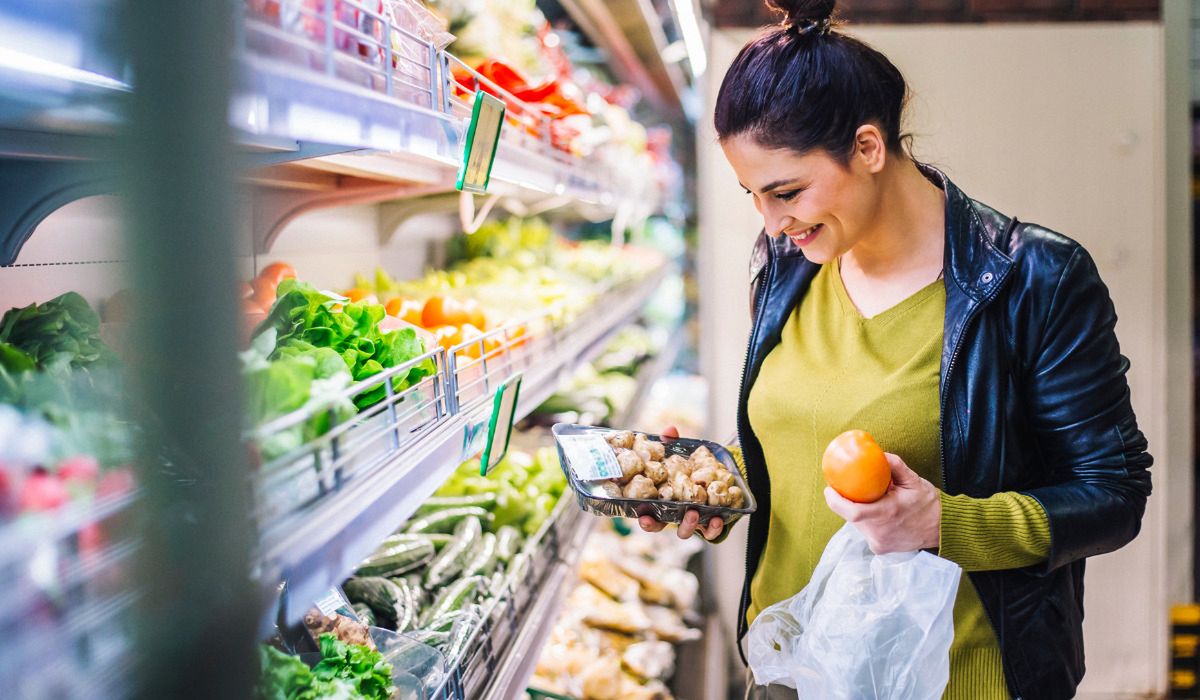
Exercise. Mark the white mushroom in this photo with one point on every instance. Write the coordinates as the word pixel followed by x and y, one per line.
pixel 704 475
pixel 631 465
pixel 718 494
pixel 622 439
pixel 737 499
pixel 656 471
pixel 677 463
pixel 640 487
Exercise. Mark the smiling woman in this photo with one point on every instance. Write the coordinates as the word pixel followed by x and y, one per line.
pixel 978 350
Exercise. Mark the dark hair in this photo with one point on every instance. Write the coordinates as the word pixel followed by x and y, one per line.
pixel 803 86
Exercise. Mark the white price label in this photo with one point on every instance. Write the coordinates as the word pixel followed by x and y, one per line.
pixel 331 603
pixel 590 457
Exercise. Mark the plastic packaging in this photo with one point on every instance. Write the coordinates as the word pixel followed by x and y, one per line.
pixel 593 498
pixel 866 626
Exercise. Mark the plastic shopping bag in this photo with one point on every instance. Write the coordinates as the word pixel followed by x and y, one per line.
pixel 866 626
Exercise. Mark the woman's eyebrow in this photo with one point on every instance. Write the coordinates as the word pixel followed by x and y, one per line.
pixel 773 185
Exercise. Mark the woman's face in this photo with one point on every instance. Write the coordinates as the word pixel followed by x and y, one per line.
pixel 823 207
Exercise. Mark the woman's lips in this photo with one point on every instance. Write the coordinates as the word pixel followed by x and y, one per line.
pixel 806 236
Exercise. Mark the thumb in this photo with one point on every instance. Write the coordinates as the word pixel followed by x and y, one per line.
pixel 902 476
pixel 670 432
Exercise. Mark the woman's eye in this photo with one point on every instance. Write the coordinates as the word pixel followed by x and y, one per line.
pixel 746 190
pixel 787 196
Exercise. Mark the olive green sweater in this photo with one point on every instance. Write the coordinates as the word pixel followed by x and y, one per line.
pixel 834 370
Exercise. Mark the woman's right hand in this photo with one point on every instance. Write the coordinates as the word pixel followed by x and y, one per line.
pixel 691 519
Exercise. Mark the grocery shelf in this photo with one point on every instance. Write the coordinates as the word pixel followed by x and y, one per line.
pixel 384 105
pixel 649 374
pixel 324 506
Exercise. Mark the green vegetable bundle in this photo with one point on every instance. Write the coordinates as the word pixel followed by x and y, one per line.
pixel 306 319
pixel 345 672
pixel 53 363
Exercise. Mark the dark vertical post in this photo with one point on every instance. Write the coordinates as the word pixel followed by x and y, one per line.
pixel 196 617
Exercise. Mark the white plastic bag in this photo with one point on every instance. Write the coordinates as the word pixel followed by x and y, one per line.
pixel 866 626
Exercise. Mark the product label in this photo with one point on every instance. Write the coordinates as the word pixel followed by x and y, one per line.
pixel 332 603
pixel 590 457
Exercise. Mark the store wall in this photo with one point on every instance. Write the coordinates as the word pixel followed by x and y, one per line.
pixel 1062 125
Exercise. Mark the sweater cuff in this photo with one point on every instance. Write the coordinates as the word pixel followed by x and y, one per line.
pixel 1005 531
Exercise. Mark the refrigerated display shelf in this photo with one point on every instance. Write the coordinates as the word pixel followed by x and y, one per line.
pixel 300 97
pixel 339 506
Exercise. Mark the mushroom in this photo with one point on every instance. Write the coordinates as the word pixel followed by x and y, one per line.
pixel 640 487
pixel 726 477
pixel 737 499
pixel 656 471
pixel 631 465
pixel 649 449
pixel 622 439
pixel 688 491
pixel 704 475
pixel 718 494
pixel 677 463
pixel 702 453
pixel 611 489
pixel 666 492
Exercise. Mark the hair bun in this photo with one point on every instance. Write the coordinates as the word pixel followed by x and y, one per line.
pixel 799 12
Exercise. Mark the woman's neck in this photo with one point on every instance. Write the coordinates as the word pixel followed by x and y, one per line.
pixel 909 235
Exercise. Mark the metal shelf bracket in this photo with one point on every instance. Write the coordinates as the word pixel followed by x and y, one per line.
pixel 31 190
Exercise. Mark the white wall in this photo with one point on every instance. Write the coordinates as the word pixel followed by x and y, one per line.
pixel 1062 125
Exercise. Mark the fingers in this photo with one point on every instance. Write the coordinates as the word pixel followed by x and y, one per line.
pixel 902 476
pixel 670 432
pixel 650 524
pixel 715 526
pixel 839 504
pixel 687 527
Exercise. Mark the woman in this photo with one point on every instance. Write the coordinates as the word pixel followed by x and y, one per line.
pixel 978 350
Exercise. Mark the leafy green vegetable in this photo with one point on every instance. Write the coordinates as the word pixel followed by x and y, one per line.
pixel 345 672
pixel 54 364
pixel 305 318
pixel 300 376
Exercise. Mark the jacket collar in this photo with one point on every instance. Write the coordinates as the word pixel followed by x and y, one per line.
pixel 973 256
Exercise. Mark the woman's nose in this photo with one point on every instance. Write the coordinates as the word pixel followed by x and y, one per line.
pixel 774 221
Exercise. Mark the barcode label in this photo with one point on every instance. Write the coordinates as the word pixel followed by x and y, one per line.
pixel 590 457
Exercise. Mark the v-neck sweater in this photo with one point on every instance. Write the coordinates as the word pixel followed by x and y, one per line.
pixel 834 370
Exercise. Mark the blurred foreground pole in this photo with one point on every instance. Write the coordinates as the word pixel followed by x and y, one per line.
pixel 196 620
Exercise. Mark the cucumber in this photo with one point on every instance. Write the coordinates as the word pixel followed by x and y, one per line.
pixel 448 519
pixel 483 559
pixel 433 639
pixel 385 598
pixel 411 608
pixel 365 614
pixel 454 556
pixel 438 539
pixel 451 598
pixel 397 558
pixel 508 543
pixel 482 500
pixel 420 593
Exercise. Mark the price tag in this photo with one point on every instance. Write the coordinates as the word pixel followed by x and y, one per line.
pixel 479 149
pixel 334 603
pixel 504 411
pixel 590 457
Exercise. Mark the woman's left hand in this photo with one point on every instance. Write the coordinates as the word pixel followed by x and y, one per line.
pixel 906 519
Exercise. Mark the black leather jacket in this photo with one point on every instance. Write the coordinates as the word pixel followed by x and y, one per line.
pixel 1033 399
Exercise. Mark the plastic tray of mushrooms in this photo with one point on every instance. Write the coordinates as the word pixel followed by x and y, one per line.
pixel 620 473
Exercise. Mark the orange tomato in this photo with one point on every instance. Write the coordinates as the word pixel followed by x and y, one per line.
pixel 405 309
pixel 467 333
pixel 517 336
pixel 446 336
pixel 277 272
pixel 855 466
pixel 475 315
pixel 443 311
pixel 356 294
pixel 264 292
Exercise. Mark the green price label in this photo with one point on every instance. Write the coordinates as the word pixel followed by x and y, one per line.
pixel 504 410
pixel 479 149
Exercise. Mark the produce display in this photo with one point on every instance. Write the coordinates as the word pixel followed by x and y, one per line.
pixel 512 275
pixel 616 636
pixel 647 472
pixel 309 348
pixel 439 573
pixel 600 389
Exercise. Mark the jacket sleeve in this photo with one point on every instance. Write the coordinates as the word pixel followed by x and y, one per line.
pixel 1085 430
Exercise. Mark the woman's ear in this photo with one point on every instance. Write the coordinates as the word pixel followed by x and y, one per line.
pixel 870 148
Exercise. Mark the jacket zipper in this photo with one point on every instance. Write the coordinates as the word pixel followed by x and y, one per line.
pixel 760 300
pixel 971 315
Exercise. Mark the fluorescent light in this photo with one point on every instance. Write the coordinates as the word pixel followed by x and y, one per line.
pixel 689 26
pixel 23 62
